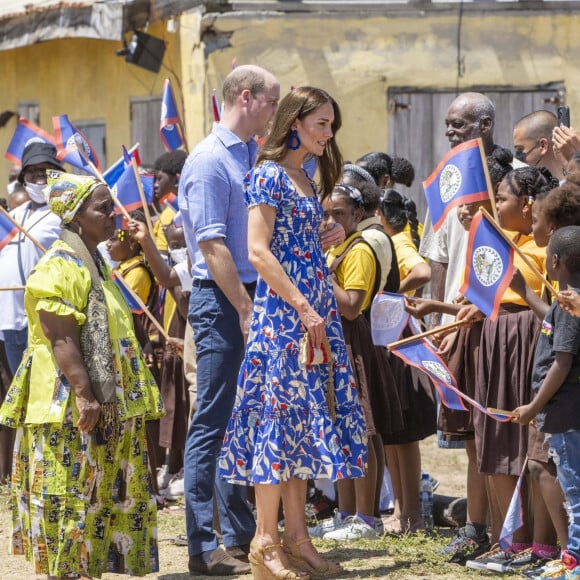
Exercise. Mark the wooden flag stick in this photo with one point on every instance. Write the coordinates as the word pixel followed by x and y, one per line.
pixel 488 179
pixel 7 288
pixel 427 333
pixel 99 176
pixel 135 297
pixel 526 260
pixel 143 199
pixel 22 230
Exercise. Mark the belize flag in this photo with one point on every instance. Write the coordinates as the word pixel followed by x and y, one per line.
pixel 7 229
pixel 68 141
pixel 460 177
pixel 170 127
pixel 489 266
pixel 127 294
pixel 423 356
pixel 388 317
pixel 111 175
pixel 25 133
pixel 514 518
pixel 126 189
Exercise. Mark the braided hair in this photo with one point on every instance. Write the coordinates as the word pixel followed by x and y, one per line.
pixel 399 211
pixel 530 181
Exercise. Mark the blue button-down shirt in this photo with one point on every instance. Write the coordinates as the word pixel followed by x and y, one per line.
pixel 211 199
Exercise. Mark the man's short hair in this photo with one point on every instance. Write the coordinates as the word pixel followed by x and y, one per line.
pixel 480 106
pixel 538 125
pixel 245 77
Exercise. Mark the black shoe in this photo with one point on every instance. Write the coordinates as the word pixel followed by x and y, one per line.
pixel 463 548
pixel 220 564
pixel 240 553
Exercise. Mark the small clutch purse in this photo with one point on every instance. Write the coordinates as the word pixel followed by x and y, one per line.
pixel 310 356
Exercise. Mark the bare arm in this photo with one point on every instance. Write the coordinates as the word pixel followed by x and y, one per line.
pixel 417 278
pixel 261 219
pixel 349 302
pixel 555 377
pixel 62 332
pixel 165 274
pixel 419 307
pixel 519 285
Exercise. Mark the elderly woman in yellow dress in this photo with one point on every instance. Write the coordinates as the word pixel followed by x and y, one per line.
pixel 80 486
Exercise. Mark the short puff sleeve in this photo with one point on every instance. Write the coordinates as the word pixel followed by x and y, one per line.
pixel 264 185
pixel 60 284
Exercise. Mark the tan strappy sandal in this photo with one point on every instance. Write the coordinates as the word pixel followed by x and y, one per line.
pixel 261 572
pixel 326 569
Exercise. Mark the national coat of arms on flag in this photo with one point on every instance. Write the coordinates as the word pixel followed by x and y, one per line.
pixel 459 178
pixel 488 268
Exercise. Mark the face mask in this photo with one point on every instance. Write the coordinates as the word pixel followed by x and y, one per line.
pixel 35 192
pixel 178 255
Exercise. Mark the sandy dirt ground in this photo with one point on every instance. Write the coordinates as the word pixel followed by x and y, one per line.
pixel 448 466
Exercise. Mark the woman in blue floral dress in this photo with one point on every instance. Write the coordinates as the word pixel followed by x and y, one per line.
pixel 291 421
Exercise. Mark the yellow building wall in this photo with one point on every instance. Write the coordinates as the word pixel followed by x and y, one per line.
pixel 84 79
pixel 358 60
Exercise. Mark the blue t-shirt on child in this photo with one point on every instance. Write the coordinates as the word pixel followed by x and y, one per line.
pixel 560 333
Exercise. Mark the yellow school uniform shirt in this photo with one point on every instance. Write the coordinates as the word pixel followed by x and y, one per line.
pixel 407 255
pixel 537 256
pixel 358 269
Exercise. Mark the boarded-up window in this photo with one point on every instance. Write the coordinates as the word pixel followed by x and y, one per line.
pixel 145 115
pixel 417 124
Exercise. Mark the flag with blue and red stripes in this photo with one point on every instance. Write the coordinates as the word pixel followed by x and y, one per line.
pixel 68 141
pixel 420 354
pixel 170 127
pixel 112 174
pixel 25 133
pixel 7 230
pixel 129 298
pixel 126 189
pixel 514 518
pixel 489 266
pixel 459 178
pixel 170 200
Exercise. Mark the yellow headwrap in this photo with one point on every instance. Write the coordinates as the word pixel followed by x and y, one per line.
pixel 66 192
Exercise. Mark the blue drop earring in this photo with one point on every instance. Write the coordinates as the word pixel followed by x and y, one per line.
pixel 294 141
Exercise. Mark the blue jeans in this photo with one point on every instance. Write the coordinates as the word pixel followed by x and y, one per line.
pixel 565 451
pixel 220 349
pixel 15 343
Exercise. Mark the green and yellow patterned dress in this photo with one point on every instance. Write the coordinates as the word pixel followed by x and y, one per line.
pixel 80 504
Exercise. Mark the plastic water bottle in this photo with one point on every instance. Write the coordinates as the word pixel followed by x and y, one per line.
pixel 426 501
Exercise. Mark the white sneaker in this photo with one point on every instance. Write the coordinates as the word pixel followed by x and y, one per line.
pixel 163 477
pixel 176 489
pixel 328 525
pixel 354 528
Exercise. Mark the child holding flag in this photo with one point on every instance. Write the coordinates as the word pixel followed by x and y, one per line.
pixel 503 378
pixel 556 394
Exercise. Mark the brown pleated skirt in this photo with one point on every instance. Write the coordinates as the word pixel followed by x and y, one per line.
pixel 374 378
pixel 504 382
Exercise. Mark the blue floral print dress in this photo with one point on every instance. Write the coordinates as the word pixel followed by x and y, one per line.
pixel 281 426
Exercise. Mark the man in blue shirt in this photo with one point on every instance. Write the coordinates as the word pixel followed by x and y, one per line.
pixel 215 221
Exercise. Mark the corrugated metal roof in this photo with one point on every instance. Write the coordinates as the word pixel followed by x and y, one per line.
pixel 23 22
